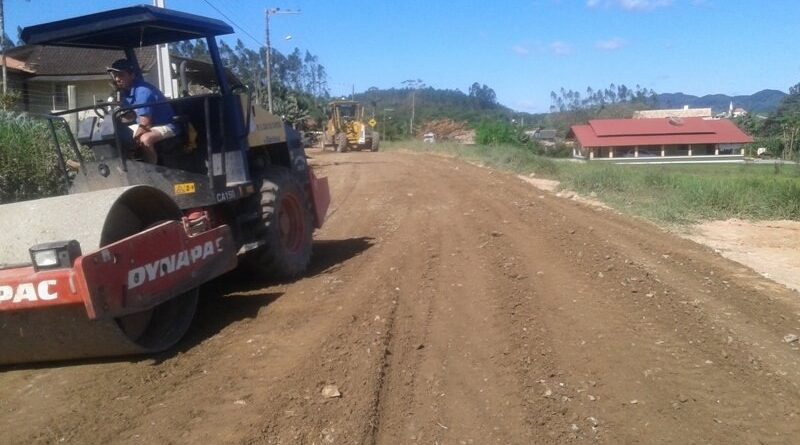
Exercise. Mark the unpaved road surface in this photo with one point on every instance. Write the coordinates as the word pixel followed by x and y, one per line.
pixel 451 304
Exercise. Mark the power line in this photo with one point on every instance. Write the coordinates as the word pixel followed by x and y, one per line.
pixel 233 22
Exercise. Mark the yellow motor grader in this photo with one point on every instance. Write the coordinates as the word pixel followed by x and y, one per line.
pixel 348 129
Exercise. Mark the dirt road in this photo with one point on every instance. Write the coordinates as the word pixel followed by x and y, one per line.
pixel 450 304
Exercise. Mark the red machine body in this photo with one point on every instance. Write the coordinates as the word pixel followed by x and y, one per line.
pixel 128 276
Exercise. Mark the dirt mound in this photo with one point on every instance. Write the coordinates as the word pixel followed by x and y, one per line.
pixel 449 130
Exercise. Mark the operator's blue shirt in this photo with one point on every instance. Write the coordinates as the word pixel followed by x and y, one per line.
pixel 142 93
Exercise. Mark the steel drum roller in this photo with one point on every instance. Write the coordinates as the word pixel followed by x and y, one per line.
pixel 94 219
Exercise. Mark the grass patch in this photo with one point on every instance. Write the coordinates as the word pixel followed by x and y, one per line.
pixel 29 167
pixel 674 194
pixel 503 157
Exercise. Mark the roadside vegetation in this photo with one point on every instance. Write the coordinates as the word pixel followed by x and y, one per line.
pixel 672 194
pixel 779 132
pixel 29 165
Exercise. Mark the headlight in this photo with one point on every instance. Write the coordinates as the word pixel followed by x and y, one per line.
pixel 45 258
pixel 56 255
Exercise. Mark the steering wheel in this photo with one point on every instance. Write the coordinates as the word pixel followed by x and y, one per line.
pixel 102 110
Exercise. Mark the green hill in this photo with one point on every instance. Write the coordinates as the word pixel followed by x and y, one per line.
pixel 395 106
pixel 764 101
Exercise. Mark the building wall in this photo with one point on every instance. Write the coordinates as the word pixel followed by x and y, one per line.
pixel 42 97
pixel 91 92
pixel 670 151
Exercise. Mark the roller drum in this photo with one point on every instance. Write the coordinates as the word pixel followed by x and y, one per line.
pixel 94 219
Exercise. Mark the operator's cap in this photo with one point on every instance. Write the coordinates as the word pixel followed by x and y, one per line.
pixel 121 65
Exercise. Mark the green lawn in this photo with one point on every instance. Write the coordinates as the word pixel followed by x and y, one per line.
pixel 675 194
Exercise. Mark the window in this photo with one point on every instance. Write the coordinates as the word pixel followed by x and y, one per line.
pixel 59 96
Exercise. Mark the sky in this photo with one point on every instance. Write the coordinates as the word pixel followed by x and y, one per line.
pixel 522 49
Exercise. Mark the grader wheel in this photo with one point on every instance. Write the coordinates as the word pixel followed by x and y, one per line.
pixel 341 142
pixel 375 141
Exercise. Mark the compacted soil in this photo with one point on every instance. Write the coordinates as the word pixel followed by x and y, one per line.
pixel 451 304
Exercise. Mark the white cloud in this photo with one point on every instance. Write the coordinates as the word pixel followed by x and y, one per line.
pixel 610 44
pixel 561 48
pixel 520 50
pixel 630 5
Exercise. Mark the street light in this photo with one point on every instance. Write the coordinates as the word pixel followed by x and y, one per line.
pixel 268 12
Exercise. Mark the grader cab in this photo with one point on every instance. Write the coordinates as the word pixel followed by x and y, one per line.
pixel 348 128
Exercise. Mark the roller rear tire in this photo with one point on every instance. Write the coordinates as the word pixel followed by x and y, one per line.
pixel 285 228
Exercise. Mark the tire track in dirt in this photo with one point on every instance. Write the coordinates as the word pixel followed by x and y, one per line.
pixel 470 356
pixel 708 365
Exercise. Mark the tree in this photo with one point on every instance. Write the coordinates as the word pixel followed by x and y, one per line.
pixel 483 95
pixel 784 124
pixel 568 107
pixel 298 80
pixel 192 49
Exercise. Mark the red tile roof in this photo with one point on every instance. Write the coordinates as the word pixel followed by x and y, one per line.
pixel 666 131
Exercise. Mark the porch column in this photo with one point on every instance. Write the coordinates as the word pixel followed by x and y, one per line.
pixel 610 152
pixel 690 149
pixel 591 153
pixel 742 151
pixel 716 149
pixel 663 152
pixel 636 151
pixel 72 97
pixel 72 103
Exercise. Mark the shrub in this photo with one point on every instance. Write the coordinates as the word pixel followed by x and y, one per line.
pixel 10 99
pixel 499 132
pixel 28 159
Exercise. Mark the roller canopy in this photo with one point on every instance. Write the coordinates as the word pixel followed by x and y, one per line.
pixel 130 27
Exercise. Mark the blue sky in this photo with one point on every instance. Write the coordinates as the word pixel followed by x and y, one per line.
pixel 523 49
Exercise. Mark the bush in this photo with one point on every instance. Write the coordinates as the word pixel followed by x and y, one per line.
pixel 498 133
pixel 28 159
pixel 10 99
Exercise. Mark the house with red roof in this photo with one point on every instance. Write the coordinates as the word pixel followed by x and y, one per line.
pixel 659 140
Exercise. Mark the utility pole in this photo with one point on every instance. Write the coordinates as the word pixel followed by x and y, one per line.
pixel 268 12
pixel 163 65
pixel 3 45
pixel 413 109
pixel 414 85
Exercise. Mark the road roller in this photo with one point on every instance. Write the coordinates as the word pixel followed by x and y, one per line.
pixel 113 266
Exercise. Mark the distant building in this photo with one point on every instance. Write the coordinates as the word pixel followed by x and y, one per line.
pixel 678 112
pixel 546 136
pixel 732 112
pixel 673 140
